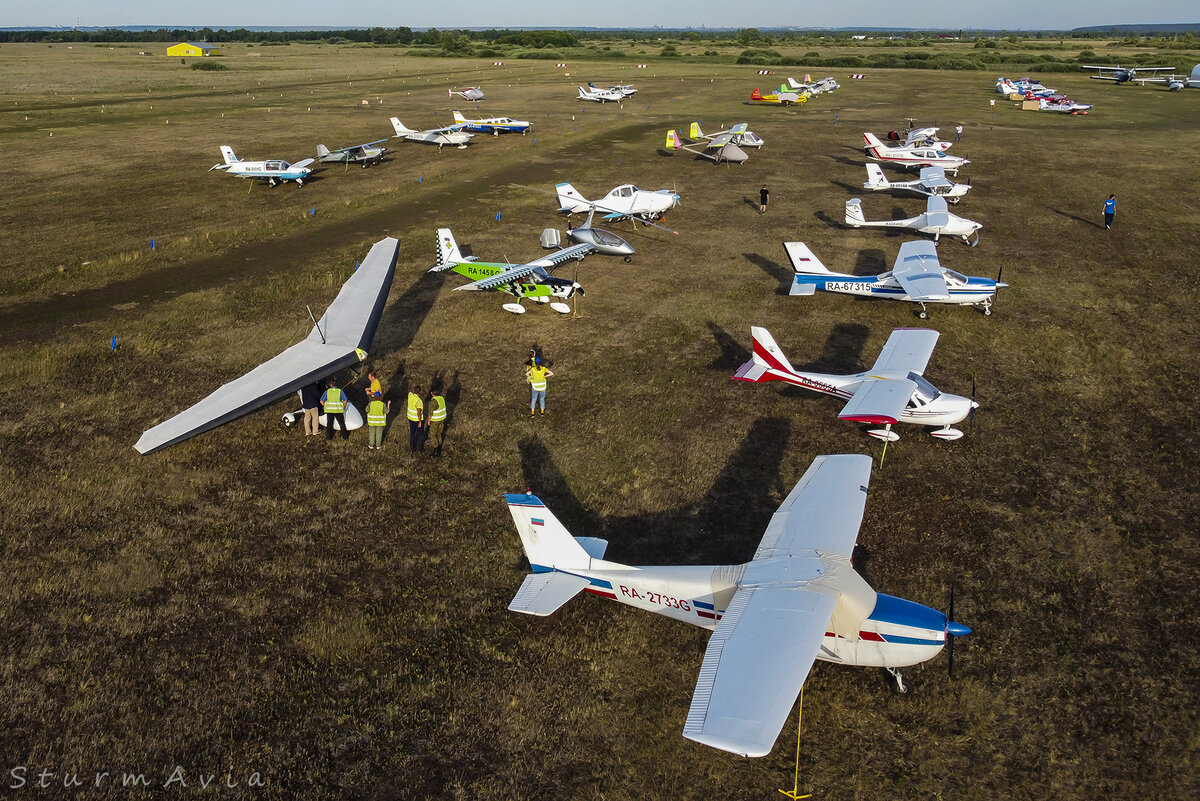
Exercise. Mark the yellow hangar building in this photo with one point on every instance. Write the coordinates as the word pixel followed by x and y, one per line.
pixel 194 49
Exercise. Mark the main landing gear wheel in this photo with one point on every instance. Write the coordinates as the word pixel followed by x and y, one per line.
pixel 922 315
pixel 628 259
pixel 898 681
pixel 987 311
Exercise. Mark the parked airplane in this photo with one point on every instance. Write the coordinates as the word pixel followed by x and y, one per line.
pixel 892 391
pixel 625 90
pixel 1023 86
pixel 798 600
pixel 718 148
pixel 1119 75
pixel 911 156
pixel 523 281
pixel 936 220
pixel 926 137
pixel 815 87
pixel 740 136
pixel 601 95
pixel 780 96
pixel 492 125
pixel 933 181
pixel 365 155
pixel 273 171
pixel 450 135
pixel 1064 105
pixel 623 201
pixel 339 340
pixel 916 277
pixel 470 93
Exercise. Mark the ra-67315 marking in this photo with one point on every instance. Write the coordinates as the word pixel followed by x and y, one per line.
pixel 848 286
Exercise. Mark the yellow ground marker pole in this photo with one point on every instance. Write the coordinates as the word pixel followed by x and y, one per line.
pixel 795 791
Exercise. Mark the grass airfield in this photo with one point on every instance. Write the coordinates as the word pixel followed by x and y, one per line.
pixel 334 618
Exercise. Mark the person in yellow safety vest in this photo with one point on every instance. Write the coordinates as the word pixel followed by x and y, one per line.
pixel 333 402
pixel 416 419
pixel 536 374
pixel 437 422
pixel 377 412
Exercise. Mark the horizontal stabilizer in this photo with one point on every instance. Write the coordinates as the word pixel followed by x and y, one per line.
pixel 542 594
pixel 594 546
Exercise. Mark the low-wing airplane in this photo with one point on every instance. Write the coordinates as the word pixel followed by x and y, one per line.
pixel 450 135
pixel 365 155
pixel 1023 86
pixel 916 277
pixel 741 136
pixel 798 600
pixel 892 391
pixel 1119 75
pixel 470 93
pixel 906 156
pixel 492 125
pixel 780 96
pixel 273 171
pixel 524 281
pixel 601 95
pixel 936 220
pixel 1063 104
pixel 623 201
pixel 933 181
pixel 718 148
pixel 338 340
pixel 625 90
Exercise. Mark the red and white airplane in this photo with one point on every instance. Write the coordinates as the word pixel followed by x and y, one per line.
pixel 909 156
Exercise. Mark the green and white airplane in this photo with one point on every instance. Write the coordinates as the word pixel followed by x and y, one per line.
pixel 531 280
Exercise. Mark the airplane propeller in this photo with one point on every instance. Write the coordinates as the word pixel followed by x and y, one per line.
pixel 949 636
pixel 970 419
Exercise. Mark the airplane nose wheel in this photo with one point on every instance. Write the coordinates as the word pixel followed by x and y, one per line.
pixel 897 681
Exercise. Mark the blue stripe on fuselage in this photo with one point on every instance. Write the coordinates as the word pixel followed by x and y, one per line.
pixel 899 612
pixel 595 581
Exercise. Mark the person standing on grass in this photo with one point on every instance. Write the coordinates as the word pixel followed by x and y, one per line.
pixel 373 386
pixel 334 404
pixel 310 399
pixel 437 422
pixel 764 195
pixel 1110 211
pixel 536 374
pixel 957 132
pixel 377 412
pixel 416 419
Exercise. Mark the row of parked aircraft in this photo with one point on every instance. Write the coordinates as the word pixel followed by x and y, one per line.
pixel 795 91
pixel 1048 99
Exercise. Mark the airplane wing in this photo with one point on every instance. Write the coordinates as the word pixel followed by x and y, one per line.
pixel 907 350
pixel 739 128
pixel 878 400
pixel 1103 77
pixel 919 272
pixel 720 141
pixel 824 511
pixel 932 176
pixel 356 148
pixel 519 271
pixel 339 339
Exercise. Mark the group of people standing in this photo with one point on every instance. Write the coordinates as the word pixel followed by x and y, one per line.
pixel 424 428
pixel 332 403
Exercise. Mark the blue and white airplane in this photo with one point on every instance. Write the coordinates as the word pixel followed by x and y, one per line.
pixel 798 600
pixel 273 171
pixel 492 125
pixel 917 277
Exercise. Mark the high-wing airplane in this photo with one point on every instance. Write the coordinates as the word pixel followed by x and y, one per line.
pixel 1119 75
pixel 933 181
pixel 936 220
pixel 1063 104
pixel 524 281
pixel 892 391
pixel 601 95
pixel 741 136
pixel 365 155
pixel 338 340
pixel 470 93
pixel 916 277
pixel 926 137
pixel 718 148
pixel 814 88
pixel 450 135
pixel 798 600
pixel 780 96
pixel 625 90
pixel 492 125
pixel 1022 86
pixel 273 171
pixel 912 156
pixel 623 201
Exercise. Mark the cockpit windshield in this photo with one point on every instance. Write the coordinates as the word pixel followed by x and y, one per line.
pixel 955 277
pixel 925 390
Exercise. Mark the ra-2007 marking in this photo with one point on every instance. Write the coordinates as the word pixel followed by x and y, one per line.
pixel 862 287
pixel 655 598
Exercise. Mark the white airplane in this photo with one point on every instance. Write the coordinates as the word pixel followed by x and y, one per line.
pixel 906 156
pixel 798 600
pixel 926 137
pixel 1064 105
pixel 273 171
pixel 916 277
pixel 892 391
pixel 816 87
pixel 365 155
pixel 492 125
pixel 470 93
pixel 1120 75
pixel 601 95
pixel 623 201
pixel 933 182
pixel 936 220
pixel 524 281
pixel 625 90
pixel 338 340
pixel 1023 86
pixel 741 136
pixel 450 135
pixel 718 148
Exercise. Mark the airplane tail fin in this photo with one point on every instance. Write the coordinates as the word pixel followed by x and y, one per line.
pixel 227 154
pixel 872 140
pixel 547 542
pixel 322 151
pixel 400 127
pixel 673 139
pixel 804 261
pixel 448 254
pixel 568 196
pixel 767 362
pixel 694 132
pixel 458 117
pixel 756 95
pixel 582 93
pixel 854 215
pixel 875 178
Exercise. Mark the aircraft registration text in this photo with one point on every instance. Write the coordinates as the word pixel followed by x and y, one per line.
pixel 656 598
pixel 859 287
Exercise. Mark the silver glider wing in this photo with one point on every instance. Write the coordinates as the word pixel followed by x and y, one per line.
pixel 918 270
pixel 339 340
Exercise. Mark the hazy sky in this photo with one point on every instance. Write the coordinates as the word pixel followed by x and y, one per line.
pixel 1026 14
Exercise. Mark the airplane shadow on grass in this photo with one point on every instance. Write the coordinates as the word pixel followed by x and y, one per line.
pixel 403 318
pixel 774 269
pixel 724 527
pixel 842 353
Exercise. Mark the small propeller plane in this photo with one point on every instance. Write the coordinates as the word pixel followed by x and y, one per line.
pixel 450 135
pixel 906 156
pixel 892 391
pixel 1119 75
pixel 492 125
pixel 601 95
pixel 1064 105
pixel 780 96
pixel 623 201
pixel 926 137
pixel 933 182
pixel 365 155
pixel 718 148
pixel 741 136
pixel 272 171
pixel 798 600
pixel 524 281
pixel 625 90
pixel 815 87
pixel 936 220
pixel 470 93
pixel 916 277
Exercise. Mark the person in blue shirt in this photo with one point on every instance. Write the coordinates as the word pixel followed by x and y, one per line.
pixel 333 402
pixel 1110 211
